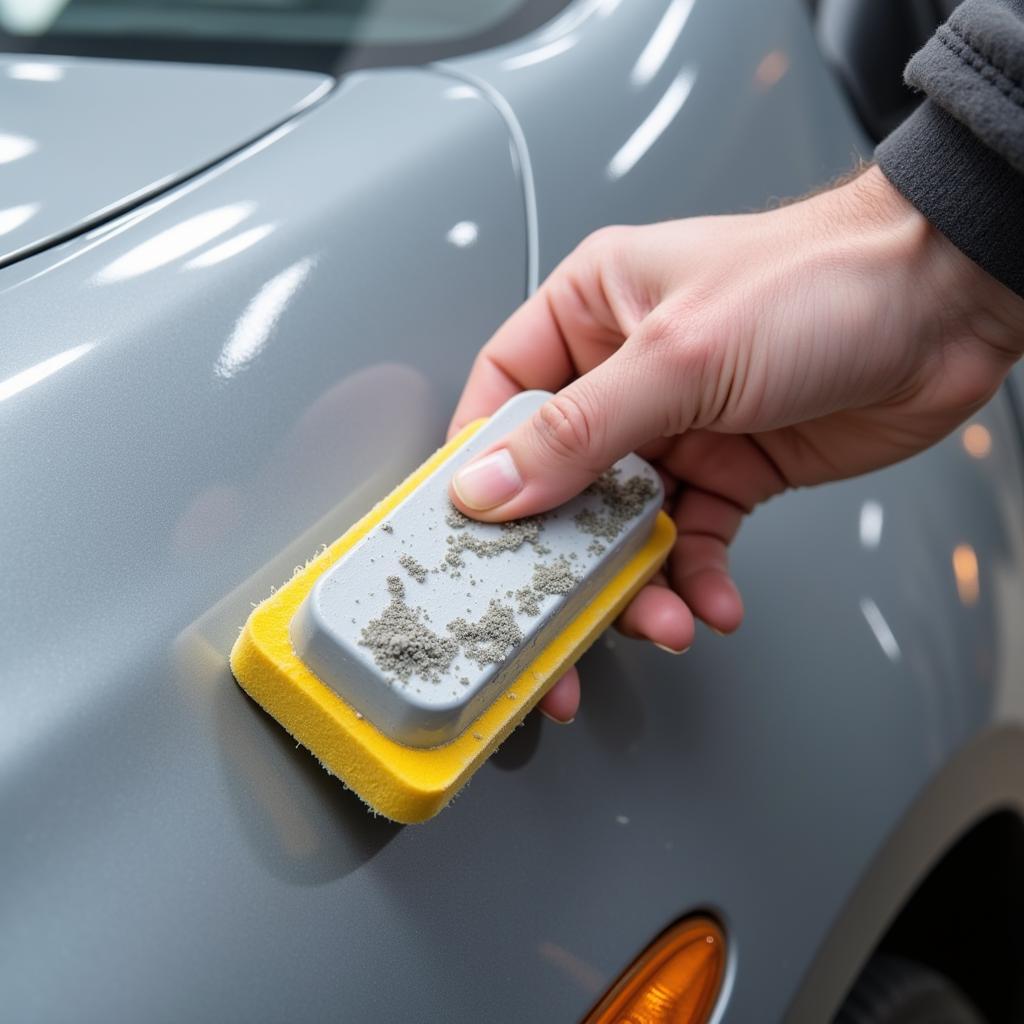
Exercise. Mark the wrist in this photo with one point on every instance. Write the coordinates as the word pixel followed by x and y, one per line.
pixel 961 301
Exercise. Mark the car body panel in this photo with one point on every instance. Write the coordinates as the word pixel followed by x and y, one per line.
pixel 217 417
pixel 182 427
pixel 632 113
pixel 81 139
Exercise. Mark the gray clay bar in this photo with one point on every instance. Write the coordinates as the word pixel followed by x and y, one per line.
pixel 391 629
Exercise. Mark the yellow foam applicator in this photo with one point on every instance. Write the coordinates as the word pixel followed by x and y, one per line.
pixel 411 784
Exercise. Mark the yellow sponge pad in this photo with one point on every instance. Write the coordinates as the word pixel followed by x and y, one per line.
pixel 409 784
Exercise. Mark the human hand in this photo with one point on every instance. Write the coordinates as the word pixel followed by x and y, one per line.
pixel 741 355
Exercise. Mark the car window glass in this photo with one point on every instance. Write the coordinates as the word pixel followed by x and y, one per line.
pixel 319 34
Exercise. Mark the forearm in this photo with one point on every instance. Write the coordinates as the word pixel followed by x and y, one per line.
pixel 960 158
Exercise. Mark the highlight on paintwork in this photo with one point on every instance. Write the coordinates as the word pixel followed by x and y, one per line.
pixel 977 440
pixel 880 628
pixel 35 71
pixel 653 126
pixel 175 242
pixel 14 147
pixel 47 368
pixel 260 317
pixel 664 37
pixel 14 216
pixel 872 518
pixel 965 571
pixel 230 247
pixel 771 69
pixel 464 234
pixel 540 54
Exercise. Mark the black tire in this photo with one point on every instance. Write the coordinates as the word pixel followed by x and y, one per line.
pixel 891 990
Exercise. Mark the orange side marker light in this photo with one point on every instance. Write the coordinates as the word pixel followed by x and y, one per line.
pixel 676 980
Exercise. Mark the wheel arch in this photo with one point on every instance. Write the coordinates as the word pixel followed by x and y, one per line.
pixel 922 896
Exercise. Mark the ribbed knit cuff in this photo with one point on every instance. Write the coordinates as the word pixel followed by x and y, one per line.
pixel 962 187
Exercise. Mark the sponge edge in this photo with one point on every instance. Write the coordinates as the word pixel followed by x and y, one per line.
pixel 410 784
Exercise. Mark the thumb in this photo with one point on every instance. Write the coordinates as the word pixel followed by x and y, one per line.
pixel 573 438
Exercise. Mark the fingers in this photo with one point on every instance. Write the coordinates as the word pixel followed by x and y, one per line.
pixel 567 443
pixel 565 329
pixel 660 615
pixel 562 701
pixel 699 563
pixel 656 613
pixel 733 466
pixel 724 477
pixel 700 575
pixel 527 352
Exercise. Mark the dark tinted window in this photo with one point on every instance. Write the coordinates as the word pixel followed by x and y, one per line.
pixel 320 34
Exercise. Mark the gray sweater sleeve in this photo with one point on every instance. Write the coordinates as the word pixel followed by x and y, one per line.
pixel 960 157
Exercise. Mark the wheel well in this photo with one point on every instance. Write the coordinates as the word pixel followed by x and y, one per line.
pixel 966 919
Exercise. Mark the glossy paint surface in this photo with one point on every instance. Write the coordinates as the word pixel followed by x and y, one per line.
pixel 189 423
pixel 81 138
pixel 636 112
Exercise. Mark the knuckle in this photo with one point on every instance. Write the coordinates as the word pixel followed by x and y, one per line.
pixel 662 331
pixel 602 242
pixel 681 346
pixel 565 427
pixel 680 339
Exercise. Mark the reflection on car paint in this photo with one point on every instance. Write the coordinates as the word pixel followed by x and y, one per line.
pixel 463 234
pixel 965 569
pixel 883 634
pixel 47 368
pixel 542 53
pixel 872 517
pixel 229 247
pixel 653 125
pixel 14 147
pixel 14 216
pixel 35 71
pixel 664 37
pixel 977 440
pixel 771 69
pixel 174 242
pixel 256 324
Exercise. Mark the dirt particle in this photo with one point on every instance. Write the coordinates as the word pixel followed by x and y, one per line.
pixel 620 501
pixel 402 645
pixel 413 568
pixel 490 638
pixel 508 537
pixel 387 527
pixel 528 601
pixel 455 519
pixel 555 577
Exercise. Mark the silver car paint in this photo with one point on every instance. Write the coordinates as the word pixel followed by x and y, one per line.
pixel 81 139
pixel 176 440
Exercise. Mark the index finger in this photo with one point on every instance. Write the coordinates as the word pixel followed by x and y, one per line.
pixel 527 351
